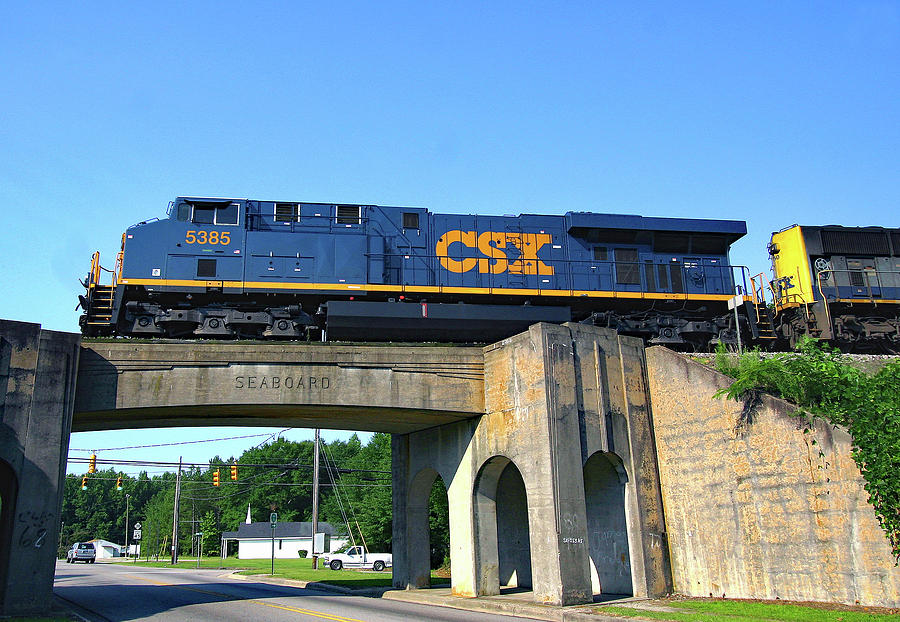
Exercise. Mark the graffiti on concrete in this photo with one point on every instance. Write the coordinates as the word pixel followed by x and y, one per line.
pixel 34 528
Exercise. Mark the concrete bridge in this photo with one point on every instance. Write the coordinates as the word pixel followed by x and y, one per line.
pixel 545 441
pixel 515 430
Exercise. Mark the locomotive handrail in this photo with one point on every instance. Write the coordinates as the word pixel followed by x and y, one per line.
pixel 117 271
pixel 567 269
pixel 95 269
pixel 867 274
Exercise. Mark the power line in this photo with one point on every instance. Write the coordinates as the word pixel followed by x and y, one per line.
pixel 207 440
pixel 204 465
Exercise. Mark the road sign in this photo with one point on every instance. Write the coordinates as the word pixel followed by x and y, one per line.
pixel 137 534
pixel 273 518
pixel 137 525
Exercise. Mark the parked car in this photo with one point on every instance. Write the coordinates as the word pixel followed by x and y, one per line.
pixel 81 552
pixel 358 557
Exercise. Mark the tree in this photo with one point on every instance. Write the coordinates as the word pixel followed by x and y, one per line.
pixel 439 523
pixel 371 506
pixel 211 537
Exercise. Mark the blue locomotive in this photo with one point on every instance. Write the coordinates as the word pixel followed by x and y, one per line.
pixel 238 268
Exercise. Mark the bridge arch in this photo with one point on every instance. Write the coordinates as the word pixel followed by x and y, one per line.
pixel 605 481
pixel 419 523
pixel 502 526
pixel 9 488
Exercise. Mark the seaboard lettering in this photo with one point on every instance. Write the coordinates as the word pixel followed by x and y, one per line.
pixel 282 383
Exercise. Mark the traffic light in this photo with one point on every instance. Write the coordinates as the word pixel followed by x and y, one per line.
pixel 84 483
pixel 216 477
pixel 92 465
pixel 234 472
pixel 119 484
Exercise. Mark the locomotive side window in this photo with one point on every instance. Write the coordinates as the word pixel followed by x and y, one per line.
pixel 227 215
pixel 287 212
pixel 215 214
pixel 204 215
pixel 348 214
pixel 206 267
pixel 184 212
pixel 627 272
pixel 410 220
pixel 600 253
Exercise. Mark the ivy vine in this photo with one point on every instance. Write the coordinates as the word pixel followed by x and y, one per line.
pixel 821 381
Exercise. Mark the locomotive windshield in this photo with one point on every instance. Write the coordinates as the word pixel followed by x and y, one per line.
pixel 208 212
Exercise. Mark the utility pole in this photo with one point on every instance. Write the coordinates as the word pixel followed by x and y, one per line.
pixel 315 499
pixel 175 516
pixel 127 498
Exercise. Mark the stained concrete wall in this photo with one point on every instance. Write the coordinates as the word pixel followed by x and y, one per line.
pixel 37 389
pixel 554 396
pixel 753 509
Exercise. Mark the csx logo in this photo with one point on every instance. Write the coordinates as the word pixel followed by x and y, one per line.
pixel 502 251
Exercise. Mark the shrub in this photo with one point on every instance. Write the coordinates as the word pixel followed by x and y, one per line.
pixel 823 384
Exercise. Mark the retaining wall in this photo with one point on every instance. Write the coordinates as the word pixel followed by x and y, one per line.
pixel 759 503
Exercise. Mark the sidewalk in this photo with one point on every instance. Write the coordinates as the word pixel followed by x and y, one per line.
pixel 512 604
pixel 515 604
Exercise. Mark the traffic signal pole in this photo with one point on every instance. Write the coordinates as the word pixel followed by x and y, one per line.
pixel 175 516
pixel 315 500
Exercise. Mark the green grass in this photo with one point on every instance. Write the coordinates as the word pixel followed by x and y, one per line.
pixel 747 611
pixel 296 569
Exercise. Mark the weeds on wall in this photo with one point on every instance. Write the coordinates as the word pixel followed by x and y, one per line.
pixel 823 384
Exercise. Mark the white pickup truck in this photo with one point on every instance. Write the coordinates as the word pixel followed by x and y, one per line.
pixel 358 557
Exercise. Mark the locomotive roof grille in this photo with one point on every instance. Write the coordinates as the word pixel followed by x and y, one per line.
pixel 854 242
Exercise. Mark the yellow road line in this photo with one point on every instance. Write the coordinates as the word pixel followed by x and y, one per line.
pixel 309 612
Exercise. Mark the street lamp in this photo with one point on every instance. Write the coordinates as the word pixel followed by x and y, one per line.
pixel 127 497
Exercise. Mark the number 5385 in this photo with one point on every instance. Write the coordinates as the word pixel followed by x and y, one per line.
pixel 207 237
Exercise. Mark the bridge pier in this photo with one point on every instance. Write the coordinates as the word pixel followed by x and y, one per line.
pixel 37 393
pixel 560 402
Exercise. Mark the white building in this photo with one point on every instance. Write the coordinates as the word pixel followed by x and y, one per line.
pixel 106 549
pixel 254 540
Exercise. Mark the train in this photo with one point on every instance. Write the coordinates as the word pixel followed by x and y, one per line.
pixel 222 268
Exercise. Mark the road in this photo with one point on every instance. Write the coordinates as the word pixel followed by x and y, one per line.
pixel 112 592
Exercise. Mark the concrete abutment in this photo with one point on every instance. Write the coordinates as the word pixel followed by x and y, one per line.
pixel 554 397
pixel 37 392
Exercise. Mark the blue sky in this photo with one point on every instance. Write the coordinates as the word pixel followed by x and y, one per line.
pixel 770 112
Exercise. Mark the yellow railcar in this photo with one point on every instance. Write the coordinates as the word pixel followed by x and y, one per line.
pixel 837 283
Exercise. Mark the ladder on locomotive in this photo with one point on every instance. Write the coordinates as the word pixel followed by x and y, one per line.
pixel 100 297
pixel 765 327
